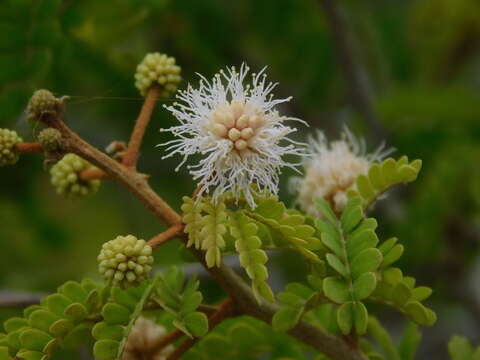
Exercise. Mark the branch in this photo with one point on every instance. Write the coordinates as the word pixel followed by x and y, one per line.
pixel 356 77
pixel 130 157
pixel 226 310
pixel 11 299
pixel 238 290
pixel 28 148
pixel 163 237
pixel 92 174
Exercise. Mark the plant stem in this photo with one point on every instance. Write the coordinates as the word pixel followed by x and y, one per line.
pixel 93 174
pixel 130 156
pixel 29 148
pixel 163 237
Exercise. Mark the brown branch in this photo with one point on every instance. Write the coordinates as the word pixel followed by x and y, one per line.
pixel 163 237
pixel 130 157
pixel 356 77
pixel 239 291
pixel 29 148
pixel 10 299
pixel 93 174
pixel 225 311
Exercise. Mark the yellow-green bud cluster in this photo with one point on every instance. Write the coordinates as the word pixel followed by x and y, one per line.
pixel 160 69
pixel 125 260
pixel 65 177
pixel 42 101
pixel 8 154
pixel 50 139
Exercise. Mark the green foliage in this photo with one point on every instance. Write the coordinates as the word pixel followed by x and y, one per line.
pixel 296 300
pixel 206 231
pixel 399 291
pixel 252 257
pixel 181 300
pixel 384 176
pixel 245 338
pixel 63 319
pixel 354 258
pixel 288 228
pixel 460 348
pixel 119 316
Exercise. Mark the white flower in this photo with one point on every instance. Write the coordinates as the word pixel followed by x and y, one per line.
pixel 332 169
pixel 238 132
pixel 144 340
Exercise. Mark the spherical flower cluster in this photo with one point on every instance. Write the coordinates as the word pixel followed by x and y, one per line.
pixel 333 169
pixel 50 139
pixel 65 177
pixel 8 154
pixel 125 260
pixel 143 341
pixel 159 69
pixel 42 101
pixel 238 132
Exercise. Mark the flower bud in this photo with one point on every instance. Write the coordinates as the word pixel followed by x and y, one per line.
pixel 50 139
pixel 42 101
pixel 8 154
pixel 158 69
pixel 125 260
pixel 65 177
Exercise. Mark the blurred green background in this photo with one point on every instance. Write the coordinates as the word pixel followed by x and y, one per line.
pixel 423 61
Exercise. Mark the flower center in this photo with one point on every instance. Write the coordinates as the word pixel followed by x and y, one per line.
pixel 237 122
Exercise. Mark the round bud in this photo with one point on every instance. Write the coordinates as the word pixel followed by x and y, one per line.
pixel 42 101
pixel 8 154
pixel 50 139
pixel 158 69
pixel 125 260
pixel 65 177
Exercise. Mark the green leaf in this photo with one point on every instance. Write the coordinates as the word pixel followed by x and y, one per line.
pixel 401 293
pixel 106 349
pixel 409 342
pixel 383 339
pixel 14 323
pixel 76 312
pixel 115 314
pixel 336 289
pixel 460 349
pixel 60 328
pixel 337 265
pixel 393 255
pixel 102 330
pixel 361 318
pixel 366 261
pixel 420 314
pixel 364 285
pixel 33 339
pixel 345 314
pixel 197 323
pixel 42 319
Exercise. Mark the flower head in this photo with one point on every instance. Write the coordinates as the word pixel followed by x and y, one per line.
pixel 142 342
pixel 158 69
pixel 332 169
pixel 235 127
pixel 8 153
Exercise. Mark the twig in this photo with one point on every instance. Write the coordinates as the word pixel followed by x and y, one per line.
pixel 356 77
pixel 92 174
pixel 163 237
pixel 226 310
pixel 29 148
pixel 130 157
pixel 11 299
pixel 238 290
